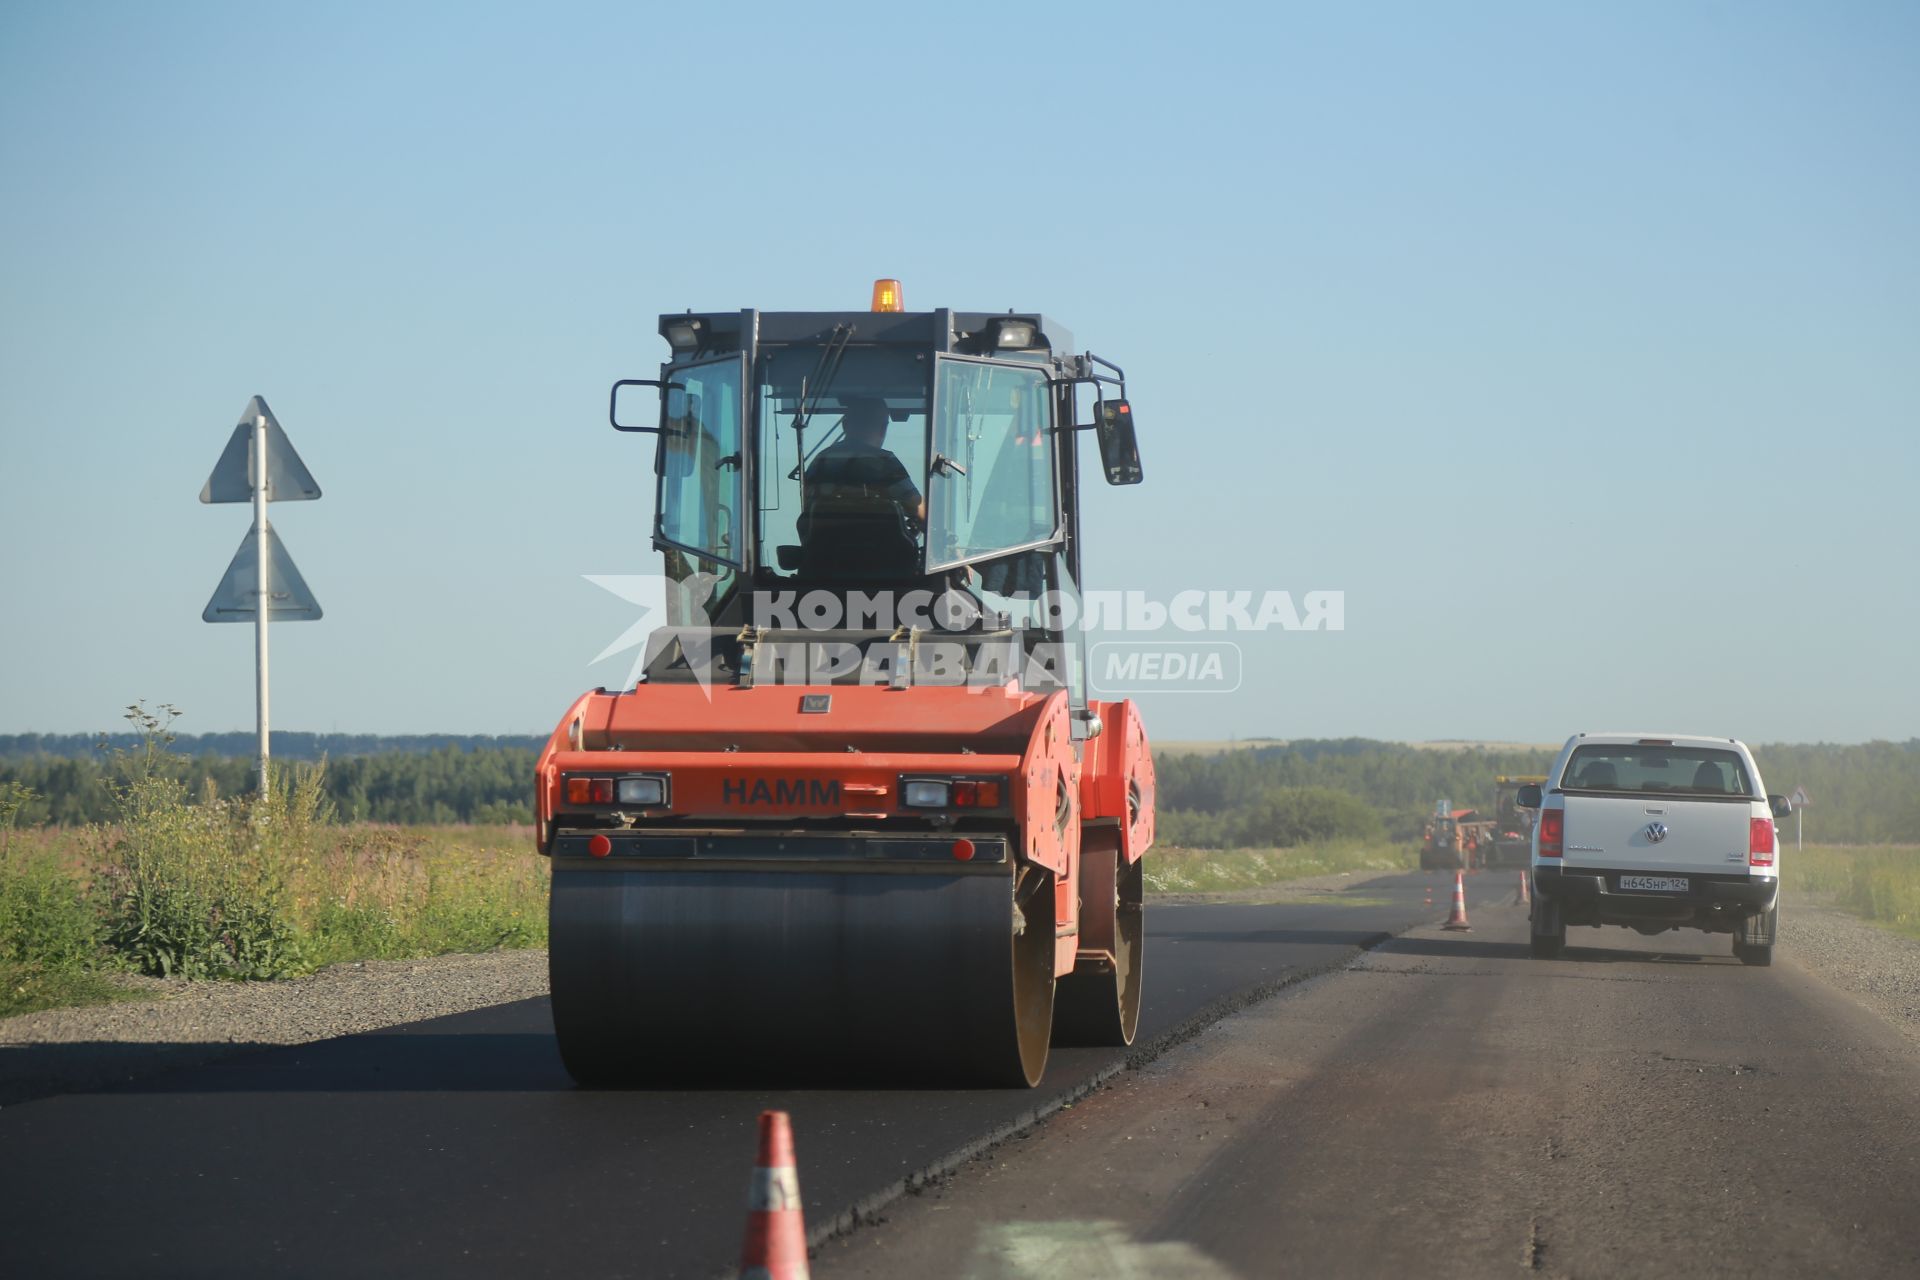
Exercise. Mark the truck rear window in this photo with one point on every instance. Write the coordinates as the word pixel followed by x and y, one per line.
pixel 1700 771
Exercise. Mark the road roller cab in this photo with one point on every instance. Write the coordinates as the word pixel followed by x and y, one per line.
pixel 858 812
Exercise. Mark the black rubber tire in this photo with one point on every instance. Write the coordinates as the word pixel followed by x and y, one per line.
pixel 1103 1009
pixel 1547 935
pixel 1753 940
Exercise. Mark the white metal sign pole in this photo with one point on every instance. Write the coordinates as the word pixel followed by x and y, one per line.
pixel 264 570
pixel 1799 827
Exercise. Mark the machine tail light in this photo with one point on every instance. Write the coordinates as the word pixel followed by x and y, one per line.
pixel 1760 843
pixel 977 794
pixel 589 790
pixel 952 793
pixel 640 791
pixel 926 794
pixel 1553 827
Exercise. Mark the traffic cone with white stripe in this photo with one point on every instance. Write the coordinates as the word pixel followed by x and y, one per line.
pixel 1523 896
pixel 1458 920
pixel 776 1244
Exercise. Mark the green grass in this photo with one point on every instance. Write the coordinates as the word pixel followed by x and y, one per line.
pixel 1880 883
pixel 213 887
pixel 1177 870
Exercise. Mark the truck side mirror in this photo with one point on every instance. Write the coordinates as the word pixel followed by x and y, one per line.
pixel 1780 806
pixel 1119 451
pixel 1529 797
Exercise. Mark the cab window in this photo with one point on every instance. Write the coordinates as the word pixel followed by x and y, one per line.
pixel 990 480
pixel 700 461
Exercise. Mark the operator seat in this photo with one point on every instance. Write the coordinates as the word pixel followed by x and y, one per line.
pixel 859 539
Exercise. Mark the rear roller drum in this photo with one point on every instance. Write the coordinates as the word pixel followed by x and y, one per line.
pixel 1099 1002
pixel 693 975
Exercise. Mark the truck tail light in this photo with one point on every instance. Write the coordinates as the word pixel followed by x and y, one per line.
pixel 1760 843
pixel 1553 826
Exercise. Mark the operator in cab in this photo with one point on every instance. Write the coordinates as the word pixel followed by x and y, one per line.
pixel 859 465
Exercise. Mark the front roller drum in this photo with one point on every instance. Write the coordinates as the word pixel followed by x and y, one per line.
pixel 1099 1002
pixel 683 974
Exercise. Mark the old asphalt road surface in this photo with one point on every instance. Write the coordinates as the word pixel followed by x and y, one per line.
pixel 459 1147
pixel 1445 1106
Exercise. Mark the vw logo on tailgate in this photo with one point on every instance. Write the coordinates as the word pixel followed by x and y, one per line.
pixel 1656 832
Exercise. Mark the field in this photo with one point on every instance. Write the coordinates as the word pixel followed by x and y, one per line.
pixel 1880 883
pixel 214 898
pixel 1176 870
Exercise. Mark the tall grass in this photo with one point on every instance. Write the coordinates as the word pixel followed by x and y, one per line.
pixel 215 887
pixel 1880 883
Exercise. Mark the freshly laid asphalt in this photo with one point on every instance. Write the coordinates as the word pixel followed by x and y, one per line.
pixel 460 1146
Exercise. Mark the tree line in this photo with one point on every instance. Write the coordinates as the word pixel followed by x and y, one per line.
pixel 1866 793
pixel 442 785
pixel 1280 795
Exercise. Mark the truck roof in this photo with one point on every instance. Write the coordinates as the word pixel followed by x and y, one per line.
pixel 1628 739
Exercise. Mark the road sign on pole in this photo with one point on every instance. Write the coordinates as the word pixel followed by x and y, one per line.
pixel 237 597
pixel 1799 800
pixel 259 465
pixel 288 479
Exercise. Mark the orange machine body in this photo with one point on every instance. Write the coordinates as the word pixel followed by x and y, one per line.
pixel 754 759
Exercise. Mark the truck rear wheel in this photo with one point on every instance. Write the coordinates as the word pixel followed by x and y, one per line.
pixel 1753 940
pixel 1100 1005
pixel 1548 939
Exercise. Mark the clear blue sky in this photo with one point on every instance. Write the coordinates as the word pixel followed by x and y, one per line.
pixel 1579 345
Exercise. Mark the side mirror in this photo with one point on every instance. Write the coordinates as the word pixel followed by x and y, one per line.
pixel 1119 452
pixel 628 410
pixel 1780 805
pixel 1529 797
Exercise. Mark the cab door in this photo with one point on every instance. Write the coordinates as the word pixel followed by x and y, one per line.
pixel 702 462
pixel 991 476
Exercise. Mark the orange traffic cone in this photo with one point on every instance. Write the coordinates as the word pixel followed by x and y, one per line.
pixel 1458 920
pixel 1523 896
pixel 776 1244
pixel 1429 901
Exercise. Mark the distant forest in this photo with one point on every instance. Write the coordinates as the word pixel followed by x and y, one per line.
pixel 1862 794
pixel 1284 794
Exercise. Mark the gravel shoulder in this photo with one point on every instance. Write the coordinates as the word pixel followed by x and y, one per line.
pixel 1878 968
pixel 187 1023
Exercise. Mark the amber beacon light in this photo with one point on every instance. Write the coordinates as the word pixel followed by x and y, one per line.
pixel 886 296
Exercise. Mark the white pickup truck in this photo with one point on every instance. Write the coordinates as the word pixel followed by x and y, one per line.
pixel 1655 832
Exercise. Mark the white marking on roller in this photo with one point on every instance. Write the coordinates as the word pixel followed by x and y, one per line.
pixel 774 1190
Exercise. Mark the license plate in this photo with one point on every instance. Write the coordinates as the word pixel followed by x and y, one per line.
pixel 1655 884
